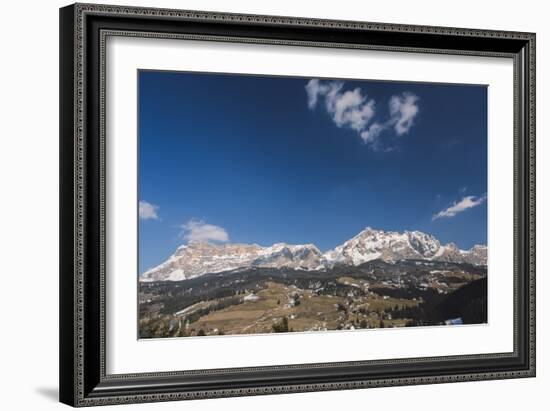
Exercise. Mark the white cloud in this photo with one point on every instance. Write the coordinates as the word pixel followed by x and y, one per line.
pixel 403 110
pixel 314 88
pixel 352 109
pixel 460 206
pixel 148 211
pixel 348 109
pixel 198 231
pixel 371 134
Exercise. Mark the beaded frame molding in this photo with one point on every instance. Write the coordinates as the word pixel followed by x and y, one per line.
pixel 83 32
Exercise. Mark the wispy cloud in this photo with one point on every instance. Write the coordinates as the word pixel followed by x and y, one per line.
pixel 353 109
pixel 460 206
pixel 348 108
pixel 198 231
pixel 148 211
pixel 403 110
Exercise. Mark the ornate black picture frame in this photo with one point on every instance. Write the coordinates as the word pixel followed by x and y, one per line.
pixel 83 31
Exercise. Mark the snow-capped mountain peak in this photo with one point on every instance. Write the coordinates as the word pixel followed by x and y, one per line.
pixel 371 244
pixel 195 259
pixel 198 258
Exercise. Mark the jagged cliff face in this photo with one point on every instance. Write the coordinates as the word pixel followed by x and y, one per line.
pixel 477 255
pixel 305 256
pixel 195 259
pixel 372 244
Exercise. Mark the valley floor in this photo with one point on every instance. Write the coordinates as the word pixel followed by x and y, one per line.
pixel 270 301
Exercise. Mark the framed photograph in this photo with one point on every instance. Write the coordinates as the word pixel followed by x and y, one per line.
pixel 260 204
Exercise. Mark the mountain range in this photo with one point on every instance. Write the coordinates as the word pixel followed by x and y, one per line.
pixel 198 258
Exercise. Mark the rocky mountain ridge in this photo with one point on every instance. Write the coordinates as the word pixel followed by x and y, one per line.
pixel 198 258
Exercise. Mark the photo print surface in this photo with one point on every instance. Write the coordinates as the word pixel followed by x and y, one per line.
pixel 284 204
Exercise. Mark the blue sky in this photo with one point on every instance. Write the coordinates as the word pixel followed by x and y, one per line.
pixel 258 159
